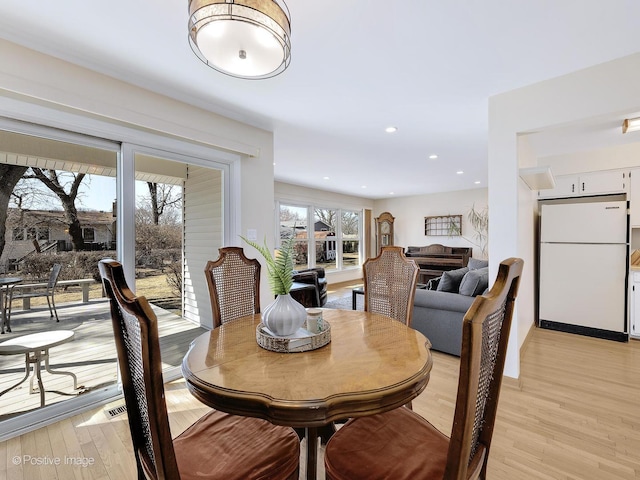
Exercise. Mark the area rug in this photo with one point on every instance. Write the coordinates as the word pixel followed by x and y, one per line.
pixel 344 303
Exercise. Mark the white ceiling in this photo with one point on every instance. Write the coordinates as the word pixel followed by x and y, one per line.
pixel 358 66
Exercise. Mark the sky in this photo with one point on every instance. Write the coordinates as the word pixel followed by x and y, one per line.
pixel 96 192
pixel 99 194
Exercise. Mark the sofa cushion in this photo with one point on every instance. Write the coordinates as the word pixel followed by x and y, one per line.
pixel 475 263
pixel 474 282
pixel 445 301
pixel 450 280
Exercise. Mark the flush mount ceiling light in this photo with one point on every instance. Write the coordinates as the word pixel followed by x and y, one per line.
pixel 630 125
pixel 243 38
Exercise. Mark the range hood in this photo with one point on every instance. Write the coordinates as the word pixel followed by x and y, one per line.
pixel 538 178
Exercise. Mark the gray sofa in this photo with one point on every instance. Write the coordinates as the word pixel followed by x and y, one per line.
pixel 439 310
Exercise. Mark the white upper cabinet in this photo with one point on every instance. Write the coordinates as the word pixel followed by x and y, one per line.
pixel 585 184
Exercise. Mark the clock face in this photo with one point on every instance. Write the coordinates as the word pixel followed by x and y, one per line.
pixel 385 227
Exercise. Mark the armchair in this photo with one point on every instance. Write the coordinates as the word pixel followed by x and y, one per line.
pixel 310 297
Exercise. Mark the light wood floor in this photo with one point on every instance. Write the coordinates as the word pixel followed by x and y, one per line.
pixel 574 415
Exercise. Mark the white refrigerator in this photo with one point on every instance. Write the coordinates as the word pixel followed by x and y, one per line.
pixel 584 268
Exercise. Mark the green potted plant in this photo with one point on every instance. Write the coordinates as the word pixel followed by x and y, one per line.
pixel 284 316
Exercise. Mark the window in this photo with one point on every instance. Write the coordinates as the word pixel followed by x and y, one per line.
pixel 350 229
pixel 30 233
pixel 293 221
pixel 43 233
pixel 89 234
pixel 325 226
pixel 336 236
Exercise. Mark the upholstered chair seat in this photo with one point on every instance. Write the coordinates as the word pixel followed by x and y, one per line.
pixel 251 448
pixel 360 447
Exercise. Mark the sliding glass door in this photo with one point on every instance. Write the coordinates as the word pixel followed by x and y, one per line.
pixel 59 192
pixel 72 200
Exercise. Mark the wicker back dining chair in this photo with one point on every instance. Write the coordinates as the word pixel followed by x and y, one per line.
pixel 402 445
pixel 390 284
pixel 218 445
pixel 234 285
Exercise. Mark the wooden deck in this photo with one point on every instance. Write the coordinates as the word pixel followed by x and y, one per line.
pixel 91 356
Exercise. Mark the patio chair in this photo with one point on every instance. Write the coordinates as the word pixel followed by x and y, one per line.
pixel 390 284
pixel 234 285
pixel 402 445
pixel 35 290
pixel 218 445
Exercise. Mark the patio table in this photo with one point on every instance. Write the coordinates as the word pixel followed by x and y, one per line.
pixel 5 283
pixel 35 348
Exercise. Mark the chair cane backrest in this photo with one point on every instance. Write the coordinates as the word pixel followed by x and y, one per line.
pixel 390 284
pixel 136 335
pixel 234 285
pixel 485 335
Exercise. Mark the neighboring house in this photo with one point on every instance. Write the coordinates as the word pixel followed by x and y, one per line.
pixel 46 230
pixel 323 233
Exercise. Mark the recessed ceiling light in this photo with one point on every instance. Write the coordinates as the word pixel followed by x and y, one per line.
pixel 477 182
pixel 433 157
pixel 391 129
pixel 363 186
pixel 391 193
pixel 325 178
pixel 459 172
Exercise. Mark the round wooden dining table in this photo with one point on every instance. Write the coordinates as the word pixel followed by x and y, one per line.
pixel 372 364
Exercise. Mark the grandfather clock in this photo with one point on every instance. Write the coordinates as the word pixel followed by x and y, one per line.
pixel 384 230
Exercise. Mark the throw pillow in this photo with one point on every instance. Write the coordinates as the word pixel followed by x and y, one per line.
pixel 474 282
pixel 432 284
pixel 474 263
pixel 450 281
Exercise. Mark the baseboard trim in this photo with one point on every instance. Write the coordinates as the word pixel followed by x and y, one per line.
pixel 526 342
pixel 586 331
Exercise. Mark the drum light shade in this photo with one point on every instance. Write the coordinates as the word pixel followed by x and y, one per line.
pixel 243 38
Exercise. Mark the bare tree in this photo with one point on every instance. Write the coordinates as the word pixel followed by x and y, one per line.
pixel 349 222
pixel 162 196
pixel 287 214
pixel 327 216
pixel 10 175
pixel 58 185
pixel 158 223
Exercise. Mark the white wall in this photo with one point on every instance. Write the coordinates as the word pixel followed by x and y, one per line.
pixel 603 90
pixel 44 90
pixel 527 245
pixel 619 156
pixel 409 213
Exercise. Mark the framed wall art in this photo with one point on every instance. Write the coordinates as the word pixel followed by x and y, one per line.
pixel 444 225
